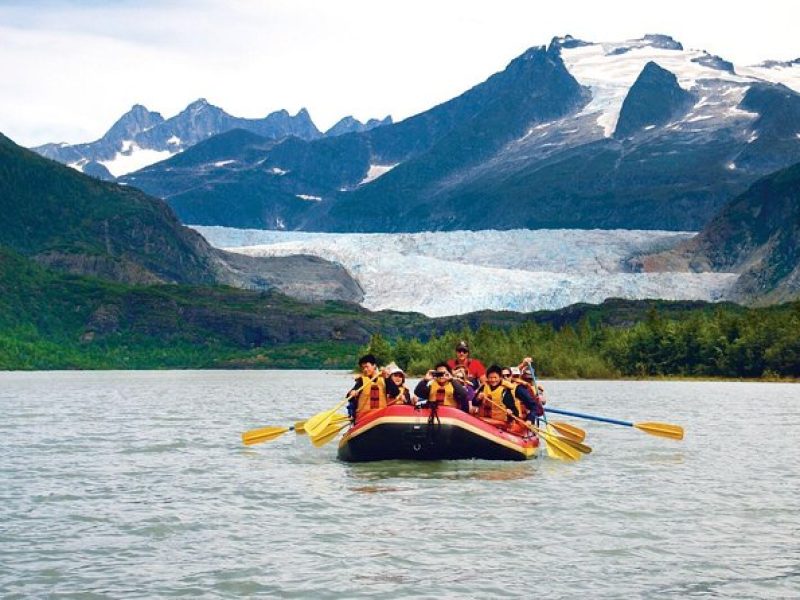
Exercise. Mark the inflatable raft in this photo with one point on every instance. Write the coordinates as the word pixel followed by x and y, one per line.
pixel 408 433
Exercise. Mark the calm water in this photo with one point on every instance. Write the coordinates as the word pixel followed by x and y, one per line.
pixel 135 484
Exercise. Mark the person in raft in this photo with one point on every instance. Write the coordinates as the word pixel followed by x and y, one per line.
pixel 524 399
pixel 470 385
pixel 500 400
pixel 536 392
pixel 438 387
pixel 371 388
pixel 398 377
pixel 475 368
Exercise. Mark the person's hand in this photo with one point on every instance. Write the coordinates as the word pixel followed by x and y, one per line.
pixel 528 359
pixel 429 375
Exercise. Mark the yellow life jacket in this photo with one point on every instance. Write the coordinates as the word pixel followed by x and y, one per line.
pixel 372 395
pixel 443 395
pixel 496 409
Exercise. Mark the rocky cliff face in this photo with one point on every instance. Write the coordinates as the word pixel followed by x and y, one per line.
pixel 654 99
pixel 756 235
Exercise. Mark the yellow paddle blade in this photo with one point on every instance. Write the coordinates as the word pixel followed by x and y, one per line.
pixel 327 434
pixel 666 430
pixel 320 421
pixel 264 434
pixel 562 444
pixel 299 427
pixel 557 452
pixel 569 431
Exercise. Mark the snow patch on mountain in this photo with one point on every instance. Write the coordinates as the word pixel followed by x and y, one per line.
pixel 132 157
pixel 376 171
pixel 610 72
pixel 448 273
pixel 786 73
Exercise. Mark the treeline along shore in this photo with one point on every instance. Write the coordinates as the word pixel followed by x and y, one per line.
pixel 724 341
pixel 50 320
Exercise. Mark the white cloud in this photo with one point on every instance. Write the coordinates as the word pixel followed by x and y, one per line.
pixel 70 68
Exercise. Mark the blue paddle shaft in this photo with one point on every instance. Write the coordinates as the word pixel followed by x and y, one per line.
pixel 590 417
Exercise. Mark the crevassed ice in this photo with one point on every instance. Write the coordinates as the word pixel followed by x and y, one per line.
pixel 448 273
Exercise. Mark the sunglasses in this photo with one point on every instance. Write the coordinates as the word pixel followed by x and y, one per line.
pixel 462 351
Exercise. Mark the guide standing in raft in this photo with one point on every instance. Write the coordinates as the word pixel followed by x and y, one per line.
pixel 475 368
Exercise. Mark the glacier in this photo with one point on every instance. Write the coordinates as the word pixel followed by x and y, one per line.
pixel 456 272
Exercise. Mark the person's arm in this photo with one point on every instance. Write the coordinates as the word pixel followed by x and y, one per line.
pixel 353 395
pixel 508 402
pixel 524 396
pixel 460 394
pixel 422 390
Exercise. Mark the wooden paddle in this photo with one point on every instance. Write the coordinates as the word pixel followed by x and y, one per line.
pixel 667 430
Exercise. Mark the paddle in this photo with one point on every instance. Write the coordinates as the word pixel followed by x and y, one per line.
pixel 568 431
pixel 320 421
pixel 299 426
pixel 667 430
pixel 330 432
pixel 565 449
pixel 264 434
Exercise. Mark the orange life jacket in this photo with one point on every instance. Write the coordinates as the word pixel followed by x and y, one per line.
pixel 496 409
pixel 372 395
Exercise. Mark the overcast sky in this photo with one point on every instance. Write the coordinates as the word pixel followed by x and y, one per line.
pixel 70 68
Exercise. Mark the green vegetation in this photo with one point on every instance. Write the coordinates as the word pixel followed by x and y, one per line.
pixel 711 341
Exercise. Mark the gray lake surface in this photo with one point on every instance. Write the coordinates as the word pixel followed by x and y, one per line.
pixel 136 485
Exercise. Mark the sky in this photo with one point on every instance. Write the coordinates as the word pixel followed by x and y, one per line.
pixel 70 68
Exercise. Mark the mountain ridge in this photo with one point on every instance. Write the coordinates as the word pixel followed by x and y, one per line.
pixel 440 170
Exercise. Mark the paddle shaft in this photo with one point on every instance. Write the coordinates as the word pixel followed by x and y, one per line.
pixel 590 417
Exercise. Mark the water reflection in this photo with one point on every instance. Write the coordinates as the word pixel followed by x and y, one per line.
pixel 477 470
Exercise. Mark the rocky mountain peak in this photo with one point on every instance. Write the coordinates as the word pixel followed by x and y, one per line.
pixel 566 41
pixel 654 99
pixel 133 122
pixel 350 124
pixel 659 40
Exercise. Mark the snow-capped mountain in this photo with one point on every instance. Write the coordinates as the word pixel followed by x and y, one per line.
pixel 448 273
pixel 141 137
pixel 636 134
